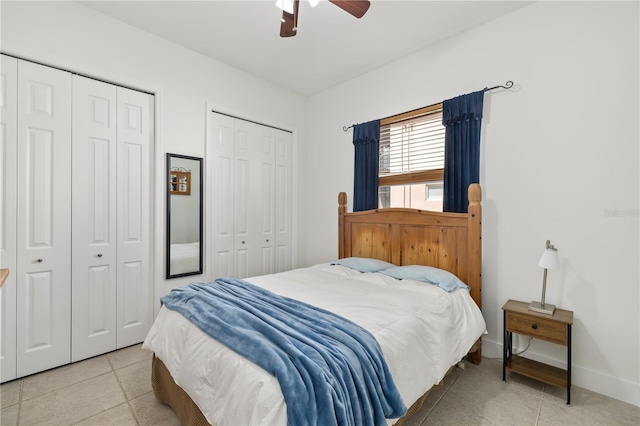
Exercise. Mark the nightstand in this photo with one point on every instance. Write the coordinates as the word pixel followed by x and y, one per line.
pixel 554 328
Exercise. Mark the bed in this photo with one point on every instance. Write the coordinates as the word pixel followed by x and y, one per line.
pixel 204 382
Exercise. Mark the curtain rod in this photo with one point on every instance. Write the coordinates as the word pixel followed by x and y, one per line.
pixel 507 85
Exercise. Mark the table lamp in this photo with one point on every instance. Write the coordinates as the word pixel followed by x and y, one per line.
pixel 549 260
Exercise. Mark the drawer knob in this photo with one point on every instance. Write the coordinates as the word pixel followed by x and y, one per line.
pixel 534 326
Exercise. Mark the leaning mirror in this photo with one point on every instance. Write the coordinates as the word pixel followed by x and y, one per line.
pixel 184 215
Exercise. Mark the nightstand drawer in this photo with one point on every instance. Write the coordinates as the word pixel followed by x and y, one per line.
pixel 540 328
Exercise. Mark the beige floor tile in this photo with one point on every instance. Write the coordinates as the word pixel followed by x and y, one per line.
pixel 587 408
pixel 74 403
pixel 457 413
pixel 149 411
pixel 491 370
pixel 120 415
pixel 135 378
pixel 48 381
pixel 473 396
pixel 432 400
pixel 479 396
pixel 9 415
pixel 10 393
pixel 128 356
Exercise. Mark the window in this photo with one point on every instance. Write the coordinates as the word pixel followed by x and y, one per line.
pixel 412 160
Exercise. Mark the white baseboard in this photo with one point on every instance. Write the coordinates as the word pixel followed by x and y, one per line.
pixel 595 381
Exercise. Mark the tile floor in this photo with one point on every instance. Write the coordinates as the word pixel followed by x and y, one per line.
pixel 111 389
pixel 115 389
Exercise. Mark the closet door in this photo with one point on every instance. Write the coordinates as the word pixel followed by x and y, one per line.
pixel 220 186
pixel 134 287
pixel 254 199
pixel 44 218
pixel 283 201
pixel 251 201
pixel 8 185
pixel 243 157
pixel 94 218
pixel 262 202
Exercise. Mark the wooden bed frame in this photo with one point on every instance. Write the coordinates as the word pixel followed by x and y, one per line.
pixel 449 241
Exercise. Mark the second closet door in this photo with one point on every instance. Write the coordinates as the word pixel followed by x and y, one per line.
pixel 112 292
pixel 133 177
pixel 254 180
pixel 250 187
pixel 94 218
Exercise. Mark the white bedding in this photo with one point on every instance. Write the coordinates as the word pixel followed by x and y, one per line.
pixel 422 330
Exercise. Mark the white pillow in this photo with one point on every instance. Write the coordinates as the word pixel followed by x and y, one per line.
pixel 428 274
pixel 363 264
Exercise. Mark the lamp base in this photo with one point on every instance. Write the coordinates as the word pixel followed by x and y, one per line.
pixel 547 308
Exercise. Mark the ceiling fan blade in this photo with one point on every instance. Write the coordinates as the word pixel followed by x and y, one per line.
pixel 356 8
pixel 289 26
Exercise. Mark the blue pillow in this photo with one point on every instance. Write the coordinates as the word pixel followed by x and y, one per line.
pixel 443 279
pixel 363 264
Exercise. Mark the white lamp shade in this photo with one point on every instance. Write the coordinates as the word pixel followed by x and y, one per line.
pixel 549 259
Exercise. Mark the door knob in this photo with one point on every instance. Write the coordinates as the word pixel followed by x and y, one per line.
pixel 99 254
pixel 40 260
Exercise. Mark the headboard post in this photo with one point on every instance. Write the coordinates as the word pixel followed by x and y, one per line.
pixel 475 242
pixel 342 209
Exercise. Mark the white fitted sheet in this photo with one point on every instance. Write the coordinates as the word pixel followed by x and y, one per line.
pixel 422 330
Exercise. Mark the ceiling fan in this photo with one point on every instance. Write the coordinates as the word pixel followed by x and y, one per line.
pixel 289 20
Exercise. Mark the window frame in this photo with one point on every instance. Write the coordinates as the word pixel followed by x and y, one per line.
pixel 411 177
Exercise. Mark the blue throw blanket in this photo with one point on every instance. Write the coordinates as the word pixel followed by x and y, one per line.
pixel 331 371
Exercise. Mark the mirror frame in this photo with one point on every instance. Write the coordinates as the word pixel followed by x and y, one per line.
pixel 168 274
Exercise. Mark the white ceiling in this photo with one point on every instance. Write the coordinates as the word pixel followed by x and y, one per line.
pixel 331 46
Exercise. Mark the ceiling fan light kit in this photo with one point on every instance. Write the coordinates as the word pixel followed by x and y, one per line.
pixel 289 20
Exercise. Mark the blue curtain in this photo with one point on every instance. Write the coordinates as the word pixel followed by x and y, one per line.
pixel 462 118
pixel 366 140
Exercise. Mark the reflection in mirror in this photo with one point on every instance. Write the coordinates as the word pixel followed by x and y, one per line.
pixel 184 215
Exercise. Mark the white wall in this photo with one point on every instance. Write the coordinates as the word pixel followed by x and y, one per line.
pixel 559 153
pixel 71 36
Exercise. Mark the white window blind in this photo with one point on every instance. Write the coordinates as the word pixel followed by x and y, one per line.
pixel 412 145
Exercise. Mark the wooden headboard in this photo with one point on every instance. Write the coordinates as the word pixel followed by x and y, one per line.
pixel 449 241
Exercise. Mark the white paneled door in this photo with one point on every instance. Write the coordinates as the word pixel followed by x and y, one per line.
pixel 283 199
pixel 94 242
pixel 112 290
pixel 263 197
pixel 75 210
pixel 134 289
pixel 250 181
pixel 243 157
pixel 254 198
pixel 44 218
pixel 8 186
pixel 222 140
